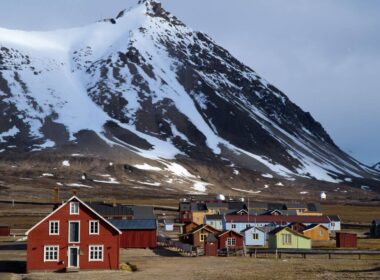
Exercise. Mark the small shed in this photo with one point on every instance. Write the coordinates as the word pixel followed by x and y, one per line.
pixel 198 235
pixel 211 246
pixel 346 240
pixel 254 236
pixel 286 238
pixel 375 229
pixel 5 230
pixel 230 239
pixel 317 232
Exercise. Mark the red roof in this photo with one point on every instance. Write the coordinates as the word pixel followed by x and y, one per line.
pixel 280 219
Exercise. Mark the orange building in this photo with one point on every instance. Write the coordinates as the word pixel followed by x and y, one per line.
pixel 317 232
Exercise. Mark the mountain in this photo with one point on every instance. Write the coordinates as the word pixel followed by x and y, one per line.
pixel 377 166
pixel 146 90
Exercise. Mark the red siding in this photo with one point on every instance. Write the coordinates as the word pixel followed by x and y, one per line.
pixel 138 239
pixel 211 249
pixel 223 239
pixel 39 237
pixel 344 239
pixel 5 231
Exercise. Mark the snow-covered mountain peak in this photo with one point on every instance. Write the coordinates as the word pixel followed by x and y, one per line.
pixel 146 83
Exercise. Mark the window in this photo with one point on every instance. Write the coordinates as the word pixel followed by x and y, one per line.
pixel 231 241
pixel 74 232
pixel 51 253
pixel 320 233
pixel 255 236
pixel 247 225
pixel 332 224
pixel 53 227
pixel 74 208
pixel 286 238
pixel 95 253
pixel 233 225
pixel 203 237
pixel 94 227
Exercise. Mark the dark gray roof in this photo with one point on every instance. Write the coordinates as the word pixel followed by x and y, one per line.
pixel 198 206
pixel 257 205
pixel 111 210
pixel 137 212
pixel 278 206
pixel 217 205
pixel 134 224
pixel 143 212
pixel 314 207
pixel 296 205
pixel 184 206
pixel 237 205
pixel 334 218
pixel 214 217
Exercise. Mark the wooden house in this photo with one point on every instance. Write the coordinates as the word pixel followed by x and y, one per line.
pixel 216 221
pixel 286 238
pixel 73 237
pixel 317 232
pixel 230 239
pixel 375 229
pixel 189 227
pixel 197 236
pixel 137 233
pixel 254 236
pixel 335 223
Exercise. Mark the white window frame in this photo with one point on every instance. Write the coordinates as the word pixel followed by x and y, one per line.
pixel 89 227
pixel 204 235
pixel 233 225
pixel 50 228
pixel 49 247
pixel 231 241
pixel 254 235
pixel 95 247
pixel 286 239
pixel 71 208
pixel 71 242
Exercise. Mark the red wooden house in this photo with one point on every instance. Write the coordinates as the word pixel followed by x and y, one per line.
pixel 73 237
pixel 230 239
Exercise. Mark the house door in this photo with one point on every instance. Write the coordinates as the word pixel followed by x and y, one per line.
pixel 73 257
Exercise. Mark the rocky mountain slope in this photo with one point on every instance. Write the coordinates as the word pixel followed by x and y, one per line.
pixel 145 90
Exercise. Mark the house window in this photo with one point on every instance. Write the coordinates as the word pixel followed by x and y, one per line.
pixel 51 253
pixel 247 225
pixel 203 237
pixel 74 208
pixel 320 233
pixel 255 236
pixel 286 238
pixel 233 225
pixel 231 241
pixel 95 253
pixel 53 227
pixel 332 224
pixel 94 227
pixel 74 231
pixel 212 223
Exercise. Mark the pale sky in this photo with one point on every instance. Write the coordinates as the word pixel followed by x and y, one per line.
pixel 325 54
